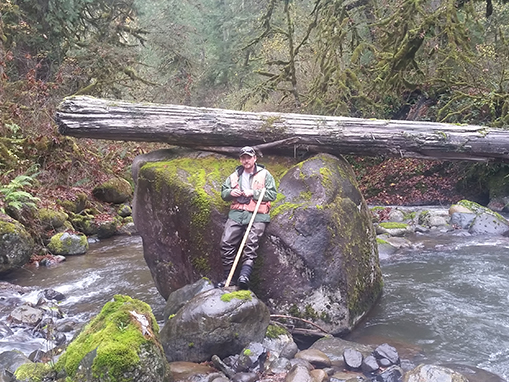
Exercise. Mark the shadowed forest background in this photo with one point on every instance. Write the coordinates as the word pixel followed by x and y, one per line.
pixel 433 60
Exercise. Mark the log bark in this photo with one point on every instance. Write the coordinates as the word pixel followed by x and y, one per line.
pixel 223 130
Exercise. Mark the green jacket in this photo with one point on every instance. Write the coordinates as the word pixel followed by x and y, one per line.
pixel 241 216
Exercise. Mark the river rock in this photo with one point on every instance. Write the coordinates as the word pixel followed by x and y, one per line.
pixel 187 371
pixel 26 316
pixel 298 373
pixel 68 244
pixel 462 220
pixel 216 322
pixel 16 244
pixel 315 357
pixel 386 351
pixel 115 190
pixel 391 374
pixel 318 259
pixel 9 362
pixel 334 347
pixel 486 222
pixel 120 343
pixel 433 373
pixel 180 297
pixel 352 358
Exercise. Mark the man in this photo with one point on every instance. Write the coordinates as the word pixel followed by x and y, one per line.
pixel 243 189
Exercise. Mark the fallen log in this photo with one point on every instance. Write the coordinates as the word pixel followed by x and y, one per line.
pixel 222 130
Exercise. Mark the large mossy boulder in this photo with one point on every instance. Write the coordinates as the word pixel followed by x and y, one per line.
pixel 318 259
pixel 16 244
pixel 215 322
pixel 119 344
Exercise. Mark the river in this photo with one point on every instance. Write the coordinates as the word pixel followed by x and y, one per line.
pixel 445 300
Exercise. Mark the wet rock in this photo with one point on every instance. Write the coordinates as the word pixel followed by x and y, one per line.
pixel 301 362
pixel 187 371
pixel 245 377
pixel 279 365
pixel 433 373
pixel 462 220
pixel 51 260
pixel 51 294
pixel 315 357
pixel 220 365
pixel 298 373
pixel 344 376
pixel 68 244
pixel 369 364
pixel 26 316
pixel 16 244
pixel 392 374
pixel 115 190
pixel 334 347
pixel 217 321
pixel 388 352
pixel 5 331
pixel 10 361
pixel 180 297
pixel 489 224
pixel 318 375
pixel 289 350
pixel 253 355
pixel 352 358
pixel 486 220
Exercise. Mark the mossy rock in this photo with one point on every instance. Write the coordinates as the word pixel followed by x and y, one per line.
pixel 16 244
pixel 116 190
pixel 119 344
pixel 51 219
pixel 68 244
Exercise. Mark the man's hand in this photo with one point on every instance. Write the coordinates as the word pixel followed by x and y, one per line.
pixel 248 193
pixel 236 193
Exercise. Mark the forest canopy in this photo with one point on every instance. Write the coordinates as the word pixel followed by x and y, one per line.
pixel 431 60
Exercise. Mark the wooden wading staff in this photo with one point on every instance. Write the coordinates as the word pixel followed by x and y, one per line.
pixel 243 243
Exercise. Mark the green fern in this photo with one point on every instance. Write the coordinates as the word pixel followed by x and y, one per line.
pixel 13 196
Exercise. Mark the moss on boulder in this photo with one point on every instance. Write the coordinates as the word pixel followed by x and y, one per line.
pixel 119 344
pixel 51 219
pixel 16 244
pixel 65 243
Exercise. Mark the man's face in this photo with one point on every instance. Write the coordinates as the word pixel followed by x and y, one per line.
pixel 248 162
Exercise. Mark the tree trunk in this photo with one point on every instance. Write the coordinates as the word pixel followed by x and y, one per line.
pixel 221 130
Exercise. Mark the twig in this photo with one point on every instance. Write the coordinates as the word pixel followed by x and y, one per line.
pixel 300 319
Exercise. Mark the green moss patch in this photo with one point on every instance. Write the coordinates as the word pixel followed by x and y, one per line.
pixel 239 295
pixel 115 335
pixel 393 225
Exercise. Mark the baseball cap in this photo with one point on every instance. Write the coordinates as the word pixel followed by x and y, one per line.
pixel 247 150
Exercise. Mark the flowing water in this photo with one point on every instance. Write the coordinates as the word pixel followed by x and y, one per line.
pixel 446 300
pixel 110 267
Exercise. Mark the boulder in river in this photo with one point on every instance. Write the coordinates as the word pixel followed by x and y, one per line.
pixel 16 244
pixel 215 322
pixel 318 259
pixel 66 243
pixel 120 343
pixel 485 221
